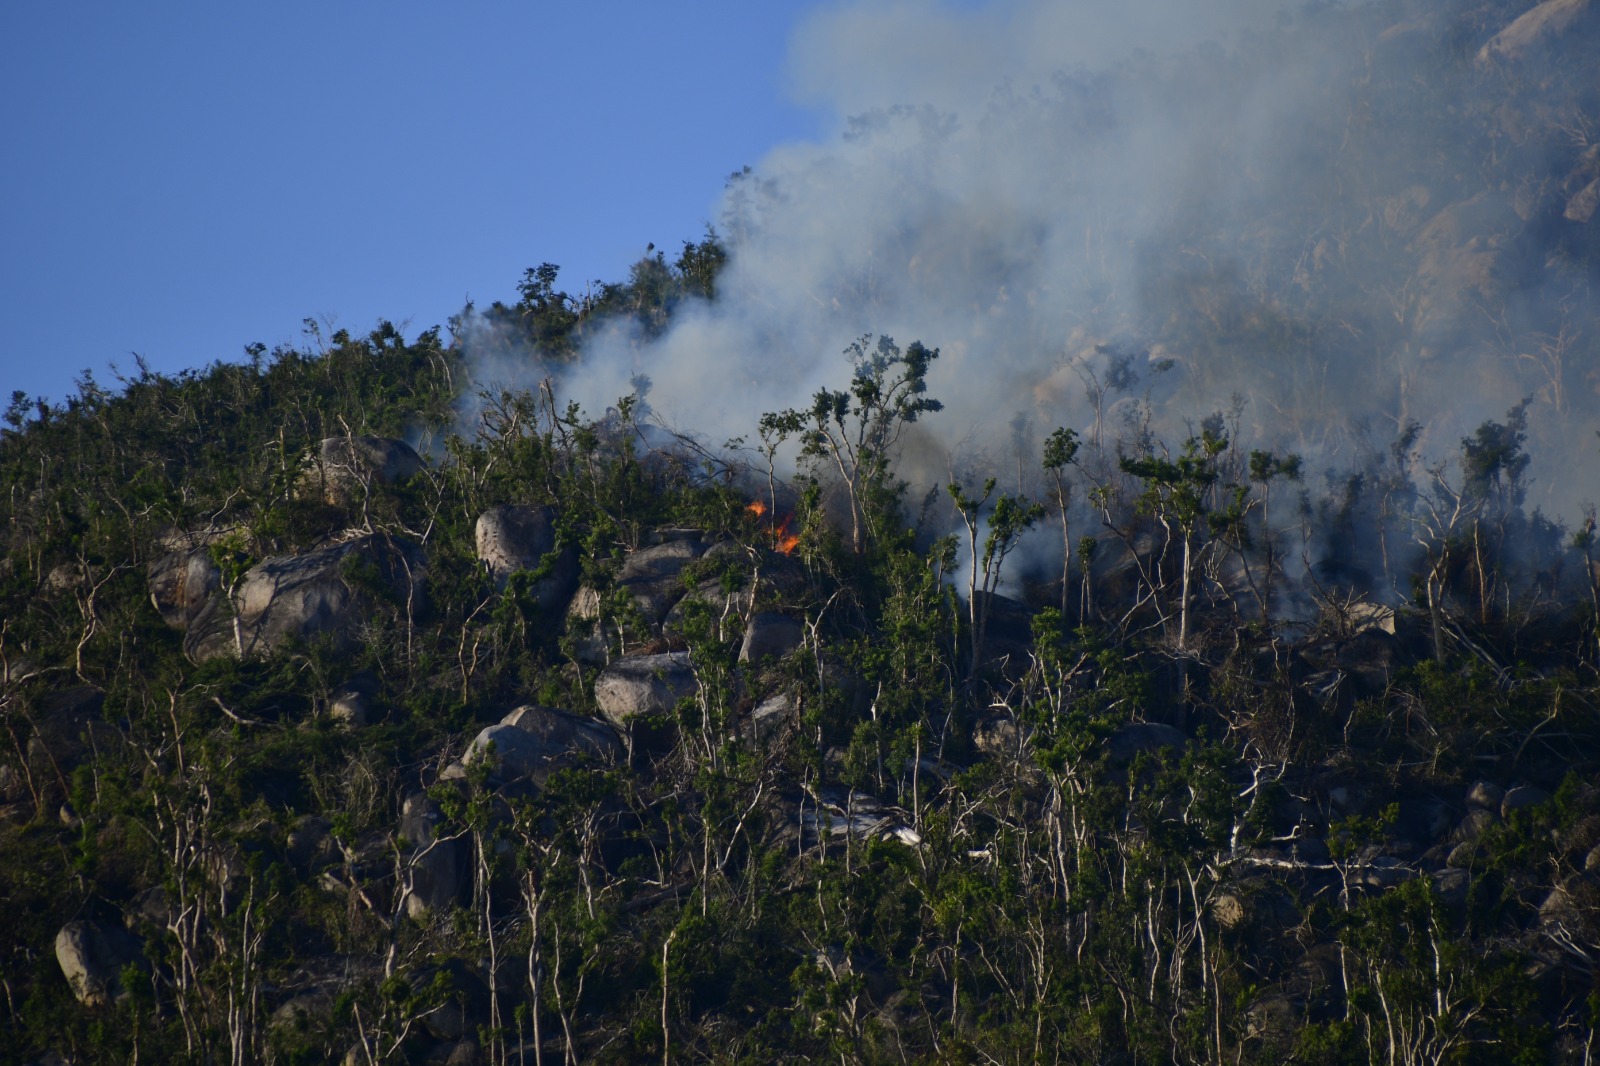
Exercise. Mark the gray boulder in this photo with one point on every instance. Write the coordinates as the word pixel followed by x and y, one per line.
pixel 330 591
pixel 1582 206
pixel 1272 1019
pixel 64 578
pixel 436 871
pixel 560 732
pixel 660 561
pixel 1453 885
pixel 463 1006
pixel 725 604
pixel 643 685
pixel 532 742
pixel 1570 918
pixel 998 735
pixel 310 843
pixel 1463 255
pixel 92 957
pixel 591 642
pixel 346 468
pixel 1486 794
pixel 182 583
pixel 1133 738
pixel 840 812
pixel 508 752
pixel 1231 910
pixel 1521 798
pixel 1532 30
pixel 653 579
pixel 771 716
pixel 776 576
pixel 1473 825
pixel 653 576
pixel 1377 869
pixel 351 703
pixel 770 636
pixel 512 538
pixel 301 1012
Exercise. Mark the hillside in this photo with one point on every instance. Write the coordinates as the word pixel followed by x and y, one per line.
pixel 376 702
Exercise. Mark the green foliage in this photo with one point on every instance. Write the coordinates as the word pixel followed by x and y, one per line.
pixel 853 433
pixel 1493 459
pixel 1092 846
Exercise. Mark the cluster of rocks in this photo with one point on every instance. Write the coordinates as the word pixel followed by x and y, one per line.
pixel 1433 839
pixel 629 633
pixel 328 591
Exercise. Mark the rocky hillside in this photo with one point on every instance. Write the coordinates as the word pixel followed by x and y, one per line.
pixel 558 745
pixel 358 711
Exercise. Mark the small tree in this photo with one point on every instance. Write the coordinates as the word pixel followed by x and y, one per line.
pixel 855 431
pixel 1584 541
pixel 1061 448
pixel 1010 519
pixel 1175 494
pixel 1231 522
pixel 1264 469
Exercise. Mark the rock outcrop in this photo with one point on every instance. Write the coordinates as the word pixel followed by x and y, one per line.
pixel 1134 738
pixel 328 592
pixel 771 717
pixel 510 538
pixel 653 576
pixel 652 579
pixel 184 580
pixel 436 871
pixel 532 742
pixel 346 468
pixel 832 813
pixel 770 636
pixel 643 685
pixel 92 957
pixel 1533 29
pixel 351 703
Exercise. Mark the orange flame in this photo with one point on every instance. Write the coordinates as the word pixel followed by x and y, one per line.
pixel 783 539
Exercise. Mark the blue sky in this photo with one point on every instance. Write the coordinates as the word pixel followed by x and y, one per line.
pixel 185 179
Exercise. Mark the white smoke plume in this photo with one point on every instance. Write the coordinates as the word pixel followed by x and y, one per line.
pixel 1246 194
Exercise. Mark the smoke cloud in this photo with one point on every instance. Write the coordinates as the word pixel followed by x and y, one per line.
pixel 1334 219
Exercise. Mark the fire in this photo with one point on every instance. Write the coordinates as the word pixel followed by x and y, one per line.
pixel 784 539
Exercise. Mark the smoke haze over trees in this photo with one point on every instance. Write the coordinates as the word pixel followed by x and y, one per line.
pixel 1352 215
